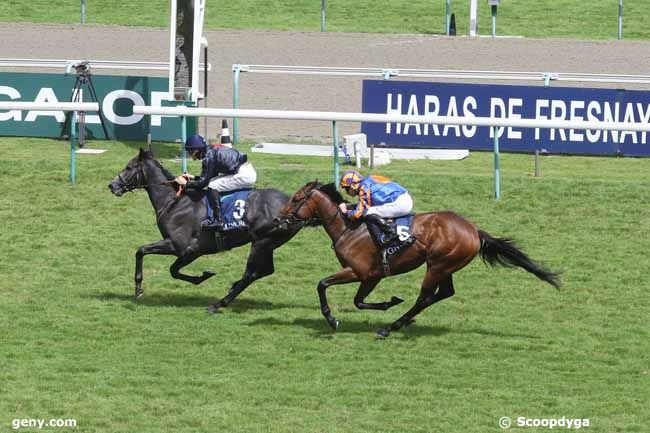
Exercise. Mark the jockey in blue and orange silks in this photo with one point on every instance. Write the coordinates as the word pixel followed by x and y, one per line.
pixel 379 198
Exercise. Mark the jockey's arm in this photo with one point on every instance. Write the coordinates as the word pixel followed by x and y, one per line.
pixel 360 209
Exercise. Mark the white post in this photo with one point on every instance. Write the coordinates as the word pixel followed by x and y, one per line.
pixel 199 10
pixel 473 18
pixel 172 49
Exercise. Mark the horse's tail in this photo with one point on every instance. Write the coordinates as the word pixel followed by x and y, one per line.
pixel 503 251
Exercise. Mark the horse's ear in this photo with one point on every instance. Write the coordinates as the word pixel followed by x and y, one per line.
pixel 145 154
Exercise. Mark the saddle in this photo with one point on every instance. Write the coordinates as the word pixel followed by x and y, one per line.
pixel 233 209
pixel 404 239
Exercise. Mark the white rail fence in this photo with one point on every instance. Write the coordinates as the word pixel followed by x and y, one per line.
pixel 492 122
pixel 75 107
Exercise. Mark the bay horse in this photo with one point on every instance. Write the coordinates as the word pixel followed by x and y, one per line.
pixel 445 241
pixel 179 220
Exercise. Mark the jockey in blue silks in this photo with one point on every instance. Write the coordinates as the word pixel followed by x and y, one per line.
pixel 379 198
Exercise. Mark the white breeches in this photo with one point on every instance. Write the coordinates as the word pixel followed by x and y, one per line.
pixel 402 206
pixel 244 178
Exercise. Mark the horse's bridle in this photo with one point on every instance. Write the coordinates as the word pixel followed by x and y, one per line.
pixel 130 187
pixel 292 218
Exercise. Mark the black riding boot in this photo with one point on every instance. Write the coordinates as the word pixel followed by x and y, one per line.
pixel 376 222
pixel 216 222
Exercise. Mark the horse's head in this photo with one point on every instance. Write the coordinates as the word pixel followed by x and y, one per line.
pixel 300 208
pixel 132 176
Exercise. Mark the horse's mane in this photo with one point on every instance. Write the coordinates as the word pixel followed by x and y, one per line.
pixel 162 168
pixel 330 190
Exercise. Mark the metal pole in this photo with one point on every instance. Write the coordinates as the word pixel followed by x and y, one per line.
pixel 83 11
pixel 537 168
pixel 336 153
pixel 620 19
pixel 322 15
pixel 183 138
pixel 73 147
pixel 494 21
pixel 205 88
pixel 447 16
pixel 235 104
pixel 497 180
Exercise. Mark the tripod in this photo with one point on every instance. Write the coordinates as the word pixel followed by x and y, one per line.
pixel 83 79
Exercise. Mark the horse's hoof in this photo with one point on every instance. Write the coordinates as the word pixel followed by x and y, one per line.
pixel 383 333
pixel 334 323
pixel 207 274
pixel 138 294
pixel 214 308
pixel 396 300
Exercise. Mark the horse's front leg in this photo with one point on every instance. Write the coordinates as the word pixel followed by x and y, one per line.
pixel 163 247
pixel 344 276
pixel 184 260
pixel 364 290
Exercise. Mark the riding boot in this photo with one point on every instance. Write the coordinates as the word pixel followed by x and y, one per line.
pixel 377 222
pixel 216 222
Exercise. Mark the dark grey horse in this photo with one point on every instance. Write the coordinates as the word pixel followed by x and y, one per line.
pixel 179 221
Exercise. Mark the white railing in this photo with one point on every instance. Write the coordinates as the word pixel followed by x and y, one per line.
pixel 492 122
pixel 49 106
pixel 59 106
pixel 94 64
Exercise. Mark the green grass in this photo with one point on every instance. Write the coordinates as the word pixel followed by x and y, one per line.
pixel 597 19
pixel 75 345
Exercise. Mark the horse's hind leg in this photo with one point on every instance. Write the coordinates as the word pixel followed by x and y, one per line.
pixel 364 290
pixel 259 264
pixel 428 296
pixel 164 247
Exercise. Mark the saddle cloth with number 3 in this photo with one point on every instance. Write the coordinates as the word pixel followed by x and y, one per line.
pixel 233 208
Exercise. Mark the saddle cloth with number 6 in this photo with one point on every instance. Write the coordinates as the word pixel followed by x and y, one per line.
pixel 233 208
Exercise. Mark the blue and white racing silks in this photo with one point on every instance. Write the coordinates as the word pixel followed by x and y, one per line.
pixel 375 191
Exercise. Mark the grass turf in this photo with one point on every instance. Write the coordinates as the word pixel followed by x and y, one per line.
pixel 76 345
pixel 596 19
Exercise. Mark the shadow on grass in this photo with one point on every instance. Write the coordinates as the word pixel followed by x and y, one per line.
pixel 182 300
pixel 352 327
pixel 365 327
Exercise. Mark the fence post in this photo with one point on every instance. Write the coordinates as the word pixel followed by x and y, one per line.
pixel 620 19
pixel 235 103
pixel 73 147
pixel 83 11
pixel 322 15
pixel 336 153
pixel 183 139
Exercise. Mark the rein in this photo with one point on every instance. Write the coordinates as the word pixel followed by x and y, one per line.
pixel 130 188
pixel 326 220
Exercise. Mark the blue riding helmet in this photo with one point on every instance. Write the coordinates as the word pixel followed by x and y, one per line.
pixel 195 142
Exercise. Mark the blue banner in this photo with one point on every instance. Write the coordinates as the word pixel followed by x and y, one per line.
pixel 526 102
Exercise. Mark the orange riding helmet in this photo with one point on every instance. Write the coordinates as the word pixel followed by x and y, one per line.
pixel 350 179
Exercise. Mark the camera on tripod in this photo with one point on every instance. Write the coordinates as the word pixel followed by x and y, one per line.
pixel 80 68
pixel 84 79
